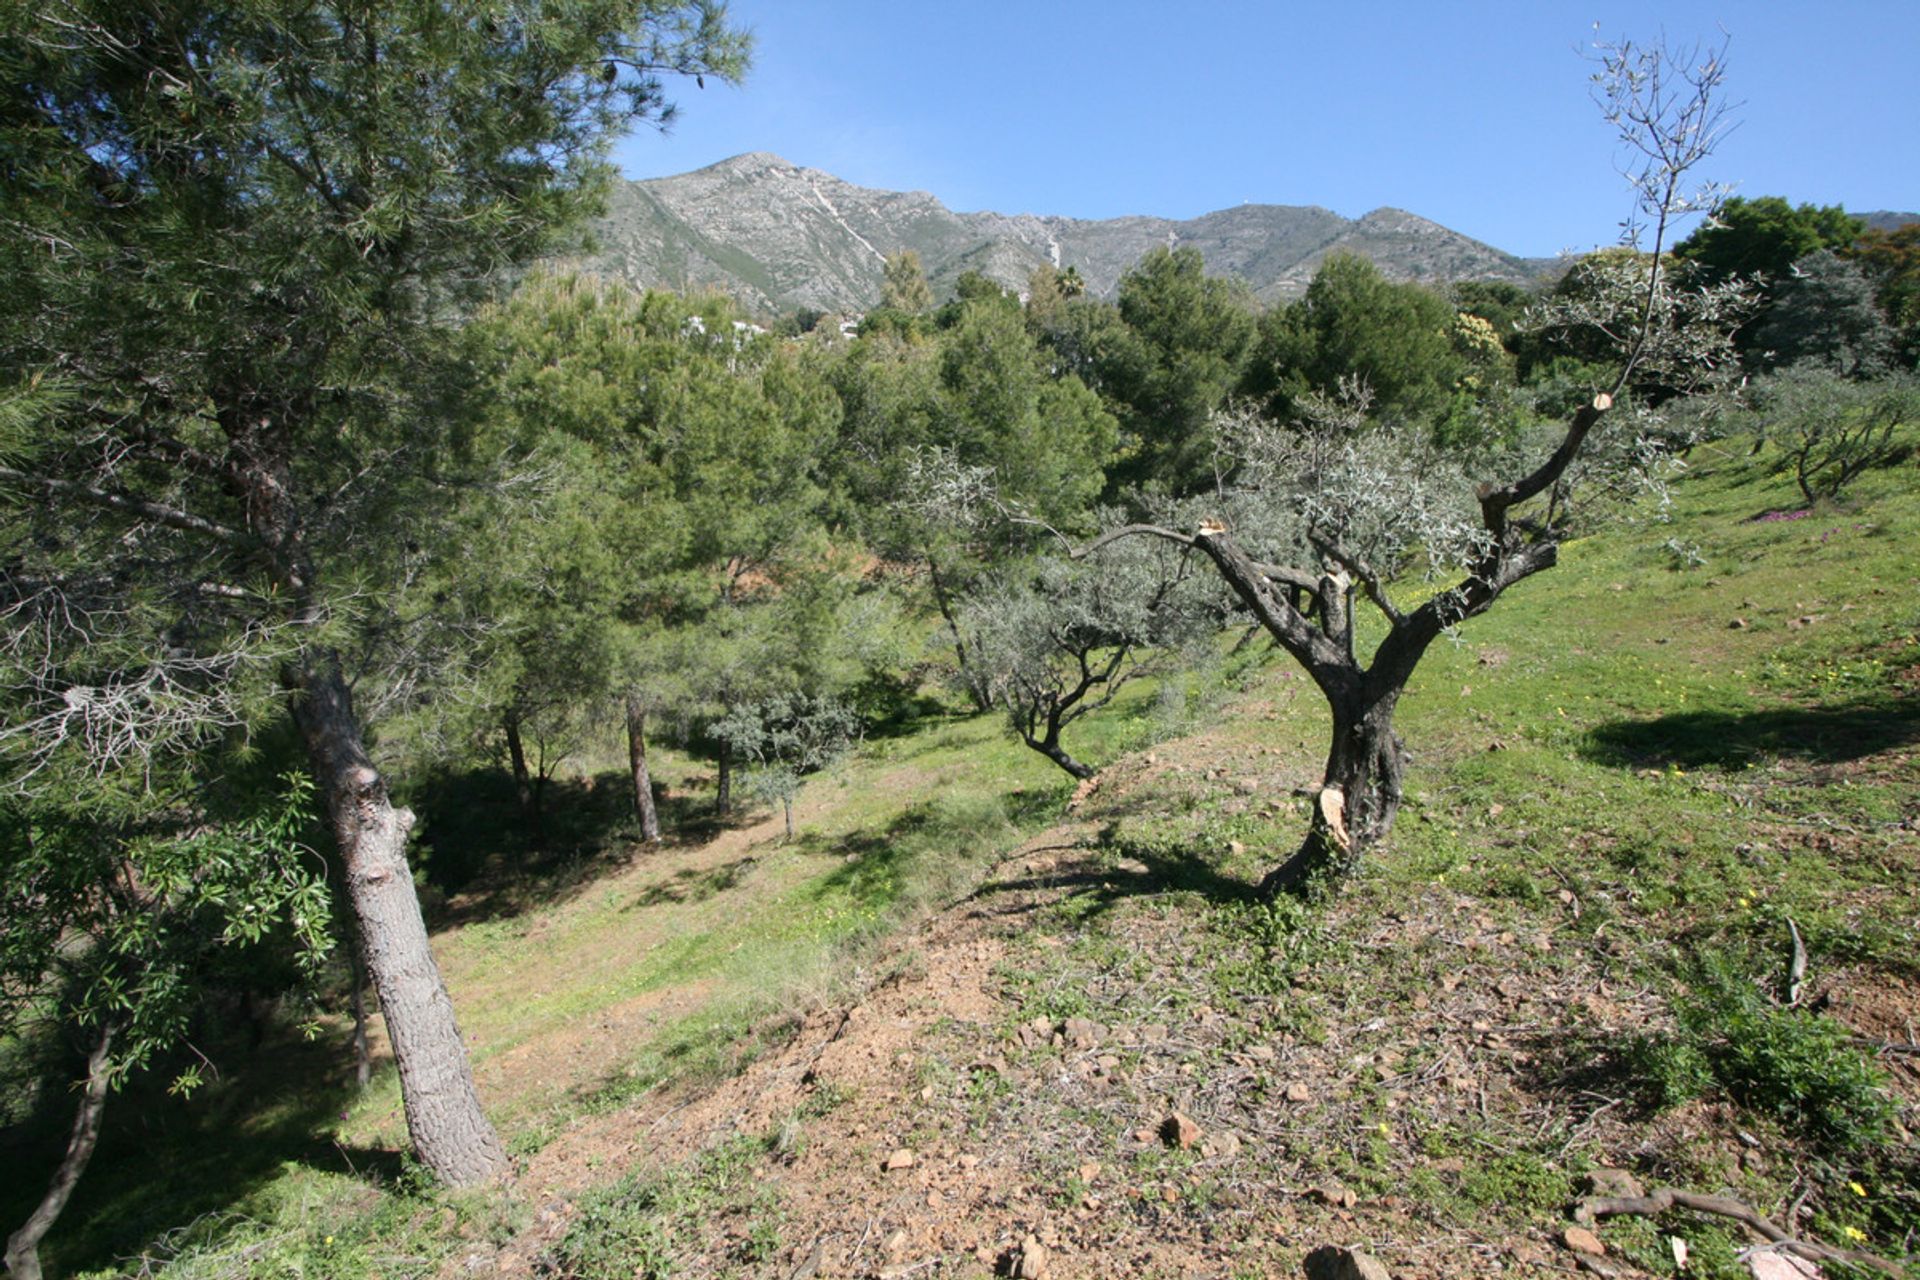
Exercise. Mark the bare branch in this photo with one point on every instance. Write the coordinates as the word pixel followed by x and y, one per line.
pixel 1666 1198
pixel 159 513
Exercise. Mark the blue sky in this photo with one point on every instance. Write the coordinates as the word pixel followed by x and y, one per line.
pixel 1474 114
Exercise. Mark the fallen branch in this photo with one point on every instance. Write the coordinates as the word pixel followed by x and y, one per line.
pixel 1660 1201
pixel 1885 1046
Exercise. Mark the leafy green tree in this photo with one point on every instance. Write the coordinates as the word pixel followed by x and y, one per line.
pixel 1193 335
pixel 233 236
pixel 1831 428
pixel 1048 290
pixel 1353 322
pixel 1892 261
pixel 1500 303
pixel 784 738
pixel 1824 311
pixel 111 918
pixel 1761 239
pixel 984 391
pixel 633 460
pixel 903 285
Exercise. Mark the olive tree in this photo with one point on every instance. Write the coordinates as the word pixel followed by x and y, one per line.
pixel 1322 517
pixel 785 737
pixel 1060 638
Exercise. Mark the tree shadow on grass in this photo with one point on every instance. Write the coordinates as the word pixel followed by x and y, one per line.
pixel 690 884
pixel 165 1162
pixel 1110 870
pixel 1708 739
pixel 478 860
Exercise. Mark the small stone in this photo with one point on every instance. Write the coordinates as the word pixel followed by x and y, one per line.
pixel 1298 1092
pixel 1082 1033
pixel 1179 1130
pixel 1236 848
pixel 1331 1262
pixel 1614 1184
pixel 901 1159
pixel 897 1242
pixel 1738 624
pixel 1031 1261
pixel 1334 1196
pixel 1224 1146
pixel 1089 1172
pixel 1581 1240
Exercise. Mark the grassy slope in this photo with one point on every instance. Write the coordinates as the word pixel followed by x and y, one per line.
pixel 1610 782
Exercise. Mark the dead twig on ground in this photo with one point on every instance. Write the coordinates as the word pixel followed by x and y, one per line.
pixel 1657 1202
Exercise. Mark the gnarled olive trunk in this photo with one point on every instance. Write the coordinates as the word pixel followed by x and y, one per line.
pixel 643 806
pixel 1358 800
pixel 23 1246
pixel 451 1133
pixel 1049 746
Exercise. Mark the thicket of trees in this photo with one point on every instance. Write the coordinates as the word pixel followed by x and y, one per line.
pixel 290 479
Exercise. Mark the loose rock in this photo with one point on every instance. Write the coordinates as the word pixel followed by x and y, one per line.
pixel 1179 1130
pixel 1331 1262
pixel 1581 1240
pixel 1031 1261
pixel 1614 1184
pixel 901 1159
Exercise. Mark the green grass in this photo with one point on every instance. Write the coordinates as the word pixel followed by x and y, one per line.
pixel 1604 758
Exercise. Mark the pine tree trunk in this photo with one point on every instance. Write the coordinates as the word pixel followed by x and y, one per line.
pixel 451 1134
pixel 1358 801
pixel 643 805
pixel 524 790
pixel 723 793
pixel 23 1246
pixel 362 1055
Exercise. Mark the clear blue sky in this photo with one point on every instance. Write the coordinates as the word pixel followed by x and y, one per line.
pixel 1472 113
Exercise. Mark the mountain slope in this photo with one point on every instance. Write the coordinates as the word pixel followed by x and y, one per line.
pixel 779 237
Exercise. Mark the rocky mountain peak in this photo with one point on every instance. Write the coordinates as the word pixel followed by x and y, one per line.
pixel 780 236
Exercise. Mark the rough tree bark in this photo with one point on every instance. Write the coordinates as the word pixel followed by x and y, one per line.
pixel 1049 746
pixel 450 1131
pixel 526 793
pixel 23 1246
pixel 643 805
pixel 723 790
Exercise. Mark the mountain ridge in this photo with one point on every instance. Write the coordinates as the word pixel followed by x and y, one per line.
pixel 779 237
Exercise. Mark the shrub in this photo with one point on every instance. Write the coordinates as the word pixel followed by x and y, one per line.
pixel 1791 1063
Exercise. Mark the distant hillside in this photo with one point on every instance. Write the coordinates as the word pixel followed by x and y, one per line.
pixel 1887 220
pixel 779 237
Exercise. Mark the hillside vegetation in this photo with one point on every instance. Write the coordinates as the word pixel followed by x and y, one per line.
pixel 501 771
pixel 1637 779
